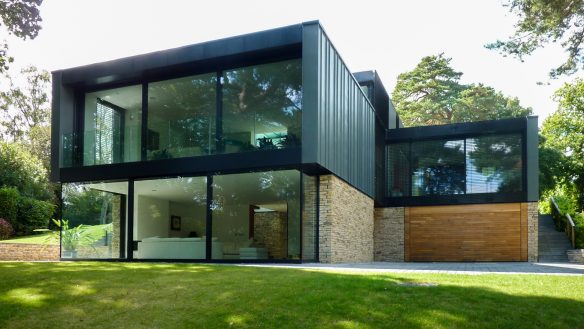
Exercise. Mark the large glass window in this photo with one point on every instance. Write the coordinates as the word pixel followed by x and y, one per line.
pixel 493 164
pixel 181 117
pixel 170 218
pixel 482 164
pixel 112 126
pixel 262 107
pixel 438 167
pixel 398 162
pixel 93 219
pixel 256 215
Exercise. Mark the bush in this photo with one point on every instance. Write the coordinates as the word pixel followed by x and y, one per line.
pixel 579 222
pixel 9 198
pixel 21 169
pixel 32 214
pixel 5 229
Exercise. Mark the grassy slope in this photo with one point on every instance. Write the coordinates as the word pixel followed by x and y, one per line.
pixel 97 231
pixel 138 295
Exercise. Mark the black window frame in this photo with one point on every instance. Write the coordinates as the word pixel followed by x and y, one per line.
pixel 461 131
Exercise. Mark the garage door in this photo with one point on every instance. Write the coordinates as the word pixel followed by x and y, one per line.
pixel 488 232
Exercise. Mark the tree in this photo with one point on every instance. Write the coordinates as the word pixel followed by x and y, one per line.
pixel 564 131
pixel 26 112
pixel 20 18
pixel 25 172
pixel 542 22
pixel 432 94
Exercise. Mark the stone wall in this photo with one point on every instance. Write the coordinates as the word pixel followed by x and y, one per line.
pixel 388 234
pixel 270 231
pixel 309 219
pixel 345 222
pixel 28 252
pixel 116 221
pixel 576 256
pixel 532 231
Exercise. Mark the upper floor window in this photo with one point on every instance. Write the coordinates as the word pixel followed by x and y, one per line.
pixel 260 108
pixel 112 123
pixel 482 164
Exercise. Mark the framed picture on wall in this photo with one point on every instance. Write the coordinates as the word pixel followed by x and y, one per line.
pixel 175 223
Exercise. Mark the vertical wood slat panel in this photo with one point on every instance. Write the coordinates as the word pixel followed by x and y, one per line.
pixel 486 232
pixel 407 234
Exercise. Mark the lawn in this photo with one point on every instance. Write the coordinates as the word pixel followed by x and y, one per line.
pixel 148 295
pixel 95 231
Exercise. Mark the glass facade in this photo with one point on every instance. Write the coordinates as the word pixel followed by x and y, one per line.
pixel 482 164
pixel 93 219
pixel 257 215
pixel 494 164
pixel 112 126
pixel 170 218
pixel 260 109
pixel 181 117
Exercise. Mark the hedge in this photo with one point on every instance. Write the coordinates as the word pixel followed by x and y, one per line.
pixel 32 214
pixel 9 197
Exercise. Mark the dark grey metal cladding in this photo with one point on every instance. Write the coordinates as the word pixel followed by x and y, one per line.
pixel 62 123
pixel 379 97
pixel 532 155
pixel 338 122
pixel 131 68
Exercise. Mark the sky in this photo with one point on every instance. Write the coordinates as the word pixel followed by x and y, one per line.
pixel 390 37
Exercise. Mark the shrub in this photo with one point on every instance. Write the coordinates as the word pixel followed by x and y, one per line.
pixel 9 198
pixel 579 222
pixel 5 229
pixel 21 169
pixel 32 214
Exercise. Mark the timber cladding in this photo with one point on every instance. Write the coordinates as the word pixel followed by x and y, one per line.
pixel 484 232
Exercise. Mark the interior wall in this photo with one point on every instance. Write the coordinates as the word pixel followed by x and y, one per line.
pixel 153 218
pixel 193 219
pixel 231 224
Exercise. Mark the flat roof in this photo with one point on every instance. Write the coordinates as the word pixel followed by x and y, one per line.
pixel 136 66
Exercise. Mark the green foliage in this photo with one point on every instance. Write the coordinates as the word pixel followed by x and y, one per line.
pixel 20 18
pixel 73 238
pixel 5 229
pixel 542 22
pixel 579 222
pixel 22 170
pixel 564 131
pixel 9 198
pixel 32 214
pixel 26 110
pixel 432 94
pixel 83 205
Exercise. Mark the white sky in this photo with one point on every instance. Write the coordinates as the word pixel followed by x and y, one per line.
pixel 388 36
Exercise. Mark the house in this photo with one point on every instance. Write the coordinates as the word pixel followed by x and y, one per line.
pixel 265 147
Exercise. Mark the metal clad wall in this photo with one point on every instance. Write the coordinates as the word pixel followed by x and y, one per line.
pixel 337 108
pixel 532 150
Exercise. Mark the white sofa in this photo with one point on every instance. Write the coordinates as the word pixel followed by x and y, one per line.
pixel 177 248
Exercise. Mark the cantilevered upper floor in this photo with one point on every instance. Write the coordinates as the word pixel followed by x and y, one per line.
pixel 281 98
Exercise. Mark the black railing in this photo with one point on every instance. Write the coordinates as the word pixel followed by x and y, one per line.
pixel 563 222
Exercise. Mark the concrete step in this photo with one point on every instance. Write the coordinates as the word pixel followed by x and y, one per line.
pixel 552 245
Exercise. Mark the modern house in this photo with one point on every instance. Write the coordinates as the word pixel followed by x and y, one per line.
pixel 265 147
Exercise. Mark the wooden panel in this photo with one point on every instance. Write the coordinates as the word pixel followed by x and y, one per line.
pixel 406 234
pixel 485 232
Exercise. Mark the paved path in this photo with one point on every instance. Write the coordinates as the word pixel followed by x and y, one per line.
pixel 450 268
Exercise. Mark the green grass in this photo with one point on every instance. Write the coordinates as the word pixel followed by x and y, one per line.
pixel 144 295
pixel 95 231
